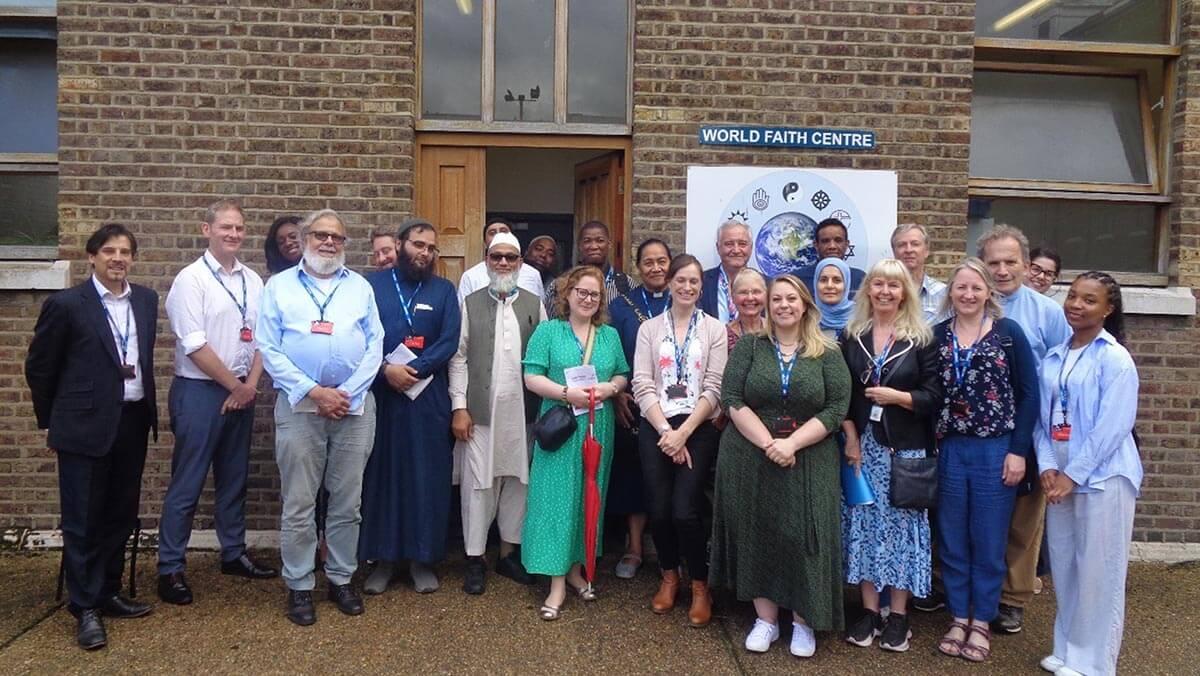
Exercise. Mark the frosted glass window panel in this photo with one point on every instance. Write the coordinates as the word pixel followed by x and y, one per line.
pixel 1110 236
pixel 598 61
pixel 1057 127
pixel 451 59
pixel 1133 21
pixel 524 60
pixel 30 215
pixel 28 97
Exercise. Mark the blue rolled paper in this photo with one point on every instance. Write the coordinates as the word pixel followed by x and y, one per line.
pixel 855 488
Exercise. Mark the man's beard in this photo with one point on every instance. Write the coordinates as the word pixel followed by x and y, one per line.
pixel 501 283
pixel 321 265
pixel 410 271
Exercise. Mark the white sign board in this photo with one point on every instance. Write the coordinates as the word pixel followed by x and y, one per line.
pixel 782 206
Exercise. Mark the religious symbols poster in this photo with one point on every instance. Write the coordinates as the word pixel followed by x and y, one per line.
pixel 783 206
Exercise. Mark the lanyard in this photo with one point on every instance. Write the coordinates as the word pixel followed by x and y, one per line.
pixel 681 353
pixel 963 363
pixel 878 361
pixel 723 286
pixel 320 306
pixel 122 338
pixel 1063 394
pixel 406 305
pixel 785 370
pixel 646 302
pixel 243 306
pixel 582 351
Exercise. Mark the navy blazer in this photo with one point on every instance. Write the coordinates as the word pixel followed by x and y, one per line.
pixel 73 368
pixel 709 298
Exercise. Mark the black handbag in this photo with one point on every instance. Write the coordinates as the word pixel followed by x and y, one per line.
pixel 554 428
pixel 914 482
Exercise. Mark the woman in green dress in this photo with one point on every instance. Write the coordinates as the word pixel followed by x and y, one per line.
pixel 777 514
pixel 552 541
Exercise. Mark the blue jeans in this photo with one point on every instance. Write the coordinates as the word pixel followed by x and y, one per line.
pixel 973 513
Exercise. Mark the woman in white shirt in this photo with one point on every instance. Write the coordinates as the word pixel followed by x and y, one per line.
pixel 678 364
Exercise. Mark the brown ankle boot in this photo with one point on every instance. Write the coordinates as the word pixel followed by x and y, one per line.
pixel 701 611
pixel 664 600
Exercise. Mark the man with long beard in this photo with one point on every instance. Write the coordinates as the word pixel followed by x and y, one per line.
pixel 492 410
pixel 406 491
pixel 319 335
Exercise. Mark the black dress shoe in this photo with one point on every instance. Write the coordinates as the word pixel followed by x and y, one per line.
pixel 89 630
pixel 244 566
pixel 173 588
pixel 510 566
pixel 475 579
pixel 347 600
pixel 300 607
pixel 119 606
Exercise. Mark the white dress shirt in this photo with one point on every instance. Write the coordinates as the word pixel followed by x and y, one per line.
pixel 202 309
pixel 476 278
pixel 119 313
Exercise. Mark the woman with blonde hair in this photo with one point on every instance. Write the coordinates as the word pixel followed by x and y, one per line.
pixel 749 292
pixel 776 533
pixel 895 394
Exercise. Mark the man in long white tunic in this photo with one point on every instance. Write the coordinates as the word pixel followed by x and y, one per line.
pixel 491 412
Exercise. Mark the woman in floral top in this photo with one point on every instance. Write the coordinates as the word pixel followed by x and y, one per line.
pixel 985 428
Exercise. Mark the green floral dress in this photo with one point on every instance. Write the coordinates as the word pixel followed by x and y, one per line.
pixel 552 539
pixel 777 531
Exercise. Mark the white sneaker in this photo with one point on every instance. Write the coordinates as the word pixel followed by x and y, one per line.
pixel 761 636
pixel 1051 663
pixel 804 642
pixel 1066 671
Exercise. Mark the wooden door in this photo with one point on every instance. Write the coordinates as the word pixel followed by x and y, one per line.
pixel 600 196
pixel 450 194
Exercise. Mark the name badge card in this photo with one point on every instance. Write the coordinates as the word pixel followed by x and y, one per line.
pixel 876 413
pixel 128 372
pixel 783 427
pixel 246 335
pixel 325 328
pixel 415 342
pixel 677 391
pixel 1060 432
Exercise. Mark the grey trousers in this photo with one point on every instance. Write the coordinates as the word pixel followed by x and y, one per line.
pixel 311 450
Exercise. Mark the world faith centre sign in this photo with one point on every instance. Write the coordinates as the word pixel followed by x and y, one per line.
pixel 788 137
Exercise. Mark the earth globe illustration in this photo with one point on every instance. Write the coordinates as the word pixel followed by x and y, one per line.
pixel 785 243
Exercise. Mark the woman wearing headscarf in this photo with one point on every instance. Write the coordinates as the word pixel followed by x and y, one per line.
pixel 833 295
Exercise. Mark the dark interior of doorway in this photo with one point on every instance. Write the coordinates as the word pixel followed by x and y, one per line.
pixel 528 226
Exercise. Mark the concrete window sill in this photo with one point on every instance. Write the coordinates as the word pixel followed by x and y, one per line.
pixel 1172 301
pixel 34 275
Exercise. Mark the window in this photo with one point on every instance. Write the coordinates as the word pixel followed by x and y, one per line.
pixel 525 66
pixel 28 130
pixel 1069 129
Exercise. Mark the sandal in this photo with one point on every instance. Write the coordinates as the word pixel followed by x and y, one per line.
pixel 549 613
pixel 973 652
pixel 628 566
pixel 586 592
pixel 953 646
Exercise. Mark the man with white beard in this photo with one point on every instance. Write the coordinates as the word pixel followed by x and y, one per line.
pixel 492 411
pixel 322 343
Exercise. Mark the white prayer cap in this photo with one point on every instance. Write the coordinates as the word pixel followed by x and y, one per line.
pixel 505 238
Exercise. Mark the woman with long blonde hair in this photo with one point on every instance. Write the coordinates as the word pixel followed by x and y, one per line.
pixel 776 532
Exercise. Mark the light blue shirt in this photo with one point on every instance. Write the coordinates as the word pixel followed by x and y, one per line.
pixel 933 294
pixel 1102 405
pixel 298 359
pixel 1039 317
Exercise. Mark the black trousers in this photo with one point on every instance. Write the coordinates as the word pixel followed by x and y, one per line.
pixel 99 500
pixel 675 497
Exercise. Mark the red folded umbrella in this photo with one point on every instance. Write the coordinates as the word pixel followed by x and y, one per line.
pixel 591 491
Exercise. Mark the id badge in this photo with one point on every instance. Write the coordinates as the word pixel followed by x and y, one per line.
pixel 783 427
pixel 876 413
pixel 246 334
pixel 1061 432
pixel 415 342
pixel 128 372
pixel 325 328
pixel 960 409
pixel 677 391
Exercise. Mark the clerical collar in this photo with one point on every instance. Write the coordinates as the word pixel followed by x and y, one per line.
pixel 657 294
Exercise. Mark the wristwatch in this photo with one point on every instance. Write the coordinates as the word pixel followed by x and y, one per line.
pixel 666 427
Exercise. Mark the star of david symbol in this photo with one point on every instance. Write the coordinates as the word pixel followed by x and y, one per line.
pixel 849 250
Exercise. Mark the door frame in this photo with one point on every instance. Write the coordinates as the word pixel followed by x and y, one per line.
pixel 544 141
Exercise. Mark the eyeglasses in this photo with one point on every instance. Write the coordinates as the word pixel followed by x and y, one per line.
pixel 507 258
pixel 324 236
pixel 584 294
pixel 422 247
pixel 1036 270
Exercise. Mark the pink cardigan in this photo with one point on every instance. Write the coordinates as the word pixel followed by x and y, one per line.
pixel 647 376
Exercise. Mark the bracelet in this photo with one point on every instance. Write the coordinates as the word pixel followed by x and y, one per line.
pixel 564 394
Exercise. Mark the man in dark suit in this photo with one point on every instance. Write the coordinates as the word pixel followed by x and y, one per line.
pixel 734 246
pixel 833 241
pixel 91 373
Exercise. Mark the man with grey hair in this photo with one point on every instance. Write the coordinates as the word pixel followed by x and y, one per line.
pixel 910 245
pixel 1005 251
pixel 492 410
pixel 322 344
pixel 734 247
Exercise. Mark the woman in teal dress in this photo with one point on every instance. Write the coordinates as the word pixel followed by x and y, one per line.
pixel 552 541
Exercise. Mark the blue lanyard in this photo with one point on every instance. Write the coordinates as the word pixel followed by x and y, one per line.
pixel 785 370
pixel 243 306
pixel 1063 394
pixel 681 353
pixel 320 306
pixel 877 362
pixel 962 362
pixel 646 301
pixel 406 305
pixel 577 343
pixel 122 338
